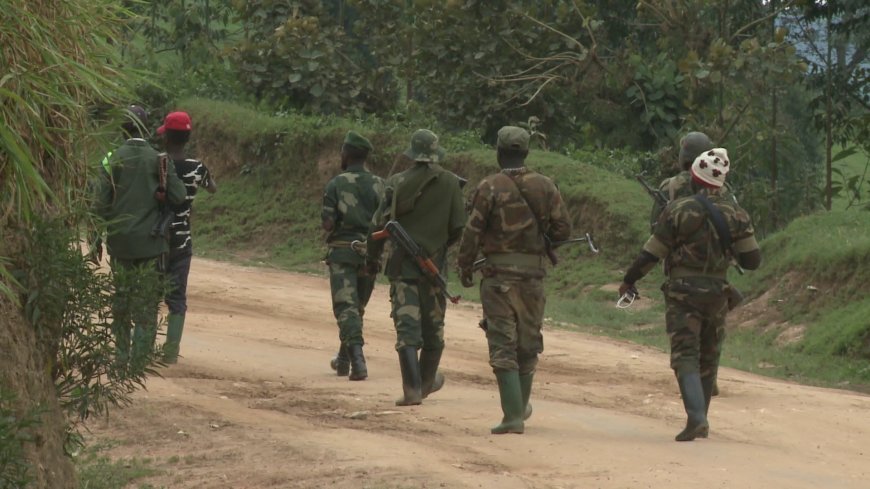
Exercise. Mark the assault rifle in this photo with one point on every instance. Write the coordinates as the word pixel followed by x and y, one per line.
pixel 657 195
pixel 397 233
pixel 587 238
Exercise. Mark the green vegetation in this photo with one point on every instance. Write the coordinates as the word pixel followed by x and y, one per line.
pixel 100 472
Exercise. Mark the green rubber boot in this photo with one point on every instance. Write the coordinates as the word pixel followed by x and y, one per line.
pixel 432 379
pixel 708 384
pixel 173 338
pixel 526 387
pixel 511 394
pixel 692 391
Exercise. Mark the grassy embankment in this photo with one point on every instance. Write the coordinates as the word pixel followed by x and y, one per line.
pixel 272 170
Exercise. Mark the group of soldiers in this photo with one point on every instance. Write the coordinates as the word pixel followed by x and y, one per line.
pixel 513 217
pixel 146 200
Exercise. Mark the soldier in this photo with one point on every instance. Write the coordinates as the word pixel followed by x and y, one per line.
pixel 680 185
pixel 349 203
pixel 697 237
pixel 427 201
pixel 194 174
pixel 513 213
pixel 130 197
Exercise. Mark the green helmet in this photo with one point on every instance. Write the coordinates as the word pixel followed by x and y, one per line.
pixel 691 146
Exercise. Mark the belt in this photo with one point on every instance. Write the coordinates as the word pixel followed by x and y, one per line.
pixel 515 259
pixel 358 246
pixel 682 272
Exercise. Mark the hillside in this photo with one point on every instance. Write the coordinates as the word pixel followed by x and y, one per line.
pixel 271 171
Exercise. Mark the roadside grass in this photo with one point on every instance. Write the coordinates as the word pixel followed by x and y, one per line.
pixel 271 171
pixel 96 471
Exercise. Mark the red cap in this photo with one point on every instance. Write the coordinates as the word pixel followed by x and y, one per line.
pixel 176 121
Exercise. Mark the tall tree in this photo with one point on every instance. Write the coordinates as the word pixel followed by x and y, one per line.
pixel 835 40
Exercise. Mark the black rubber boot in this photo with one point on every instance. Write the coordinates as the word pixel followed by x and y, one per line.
pixel 341 362
pixel 358 370
pixel 526 388
pixel 695 405
pixel 511 395
pixel 432 379
pixel 412 384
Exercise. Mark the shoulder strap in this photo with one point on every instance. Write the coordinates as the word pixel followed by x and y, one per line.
pixel 716 218
pixel 407 204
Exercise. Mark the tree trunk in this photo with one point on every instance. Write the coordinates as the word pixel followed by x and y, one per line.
pixel 774 165
pixel 23 371
pixel 829 115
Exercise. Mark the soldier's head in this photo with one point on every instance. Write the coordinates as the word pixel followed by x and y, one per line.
pixel 176 129
pixel 710 169
pixel 354 149
pixel 692 145
pixel 424 147
pixel 512 146
pixel 135 121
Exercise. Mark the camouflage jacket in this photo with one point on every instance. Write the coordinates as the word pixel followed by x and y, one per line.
pixel 503 221
pixel 685 237
pixel 349 203
pixel 427 201
pixel 677 187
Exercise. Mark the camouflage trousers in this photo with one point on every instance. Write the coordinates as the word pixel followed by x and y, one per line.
pixel 695 317
pixel 418 314
pixel 351 291
pixel 514 311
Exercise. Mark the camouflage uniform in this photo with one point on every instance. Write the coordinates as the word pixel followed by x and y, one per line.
pixel 504 228
pixel 695 292
pixel 349 202
pixel 511 214
pixel 427 201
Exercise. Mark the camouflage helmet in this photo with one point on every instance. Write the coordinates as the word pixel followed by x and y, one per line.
pixel 692 145
pixel 424 147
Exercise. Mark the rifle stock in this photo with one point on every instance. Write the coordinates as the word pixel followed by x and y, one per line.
pixel 397 233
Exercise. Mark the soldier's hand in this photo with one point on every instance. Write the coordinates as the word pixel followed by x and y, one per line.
pixel 625 287
pixel 466 276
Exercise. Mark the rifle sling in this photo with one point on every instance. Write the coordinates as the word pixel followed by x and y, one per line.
pixel 715 217
pixel 531 210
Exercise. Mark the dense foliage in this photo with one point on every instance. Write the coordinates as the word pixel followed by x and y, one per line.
pixel 581 74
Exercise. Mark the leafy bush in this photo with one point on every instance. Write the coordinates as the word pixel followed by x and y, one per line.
pixel 70 304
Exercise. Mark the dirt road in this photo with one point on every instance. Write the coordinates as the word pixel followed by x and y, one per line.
pixel 253 404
